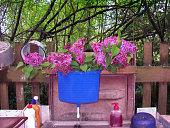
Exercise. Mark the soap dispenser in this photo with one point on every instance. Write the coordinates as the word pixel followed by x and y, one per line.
pixel 116 116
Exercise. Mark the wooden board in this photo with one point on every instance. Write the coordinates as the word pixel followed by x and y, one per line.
pixel 162 102
pixel 20 96
pixel 113 88
pixel 143 74
pixel 4 95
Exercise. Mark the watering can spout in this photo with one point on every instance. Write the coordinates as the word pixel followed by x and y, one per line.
pixel 78 111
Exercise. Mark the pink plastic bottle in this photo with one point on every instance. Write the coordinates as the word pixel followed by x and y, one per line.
pixel 116 116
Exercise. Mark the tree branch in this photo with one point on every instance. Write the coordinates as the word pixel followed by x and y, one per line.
pixel 153 23
pixel 53 17
pixel 17 23
pixel 79 21
pixel 41 21
pixel 67 18
pixel 163 28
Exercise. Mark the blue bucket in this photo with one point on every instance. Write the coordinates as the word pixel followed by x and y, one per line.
pixel 79 87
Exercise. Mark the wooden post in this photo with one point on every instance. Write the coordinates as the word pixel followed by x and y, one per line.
pixel 20 96
pixel 147 85
pixel 17 50
pixel 19 86
pixel 50 47
pixel 36 90
pixel 162 99
pixel 4 95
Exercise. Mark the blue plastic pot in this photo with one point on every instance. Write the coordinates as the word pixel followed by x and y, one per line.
pixel 79 87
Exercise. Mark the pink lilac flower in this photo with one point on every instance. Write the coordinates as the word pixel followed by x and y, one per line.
pixel 98 52
pixel 77 48
pixel 100 58
pixel 67 46
pixel 112 40
pixel 97 47
pixel 126 47
pixel 121 58
pixel 33 59
pixel 62 62
pixel 80 59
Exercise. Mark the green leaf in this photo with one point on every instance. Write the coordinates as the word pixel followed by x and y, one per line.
pixel 43 71
pixel 53 65
pixel 20 64
pixel 108 61
pixel 108 50
pixel 84 67
pixel 104 48
pixel 108 68
pixel 40 67
pixel 128 60
pixel 45 64
pixel 89 69
pixel 115 50
pixel 119 65
pixel 113 68
pixel 27 70
pixel 75 63
pixel 88 58
pixel 33 73
pixel 118 39
pixel 63 50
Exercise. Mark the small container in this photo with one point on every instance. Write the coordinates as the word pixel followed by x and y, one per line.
pixel 37 113
pixel 143 120
pixel 30 113
pixel 116 116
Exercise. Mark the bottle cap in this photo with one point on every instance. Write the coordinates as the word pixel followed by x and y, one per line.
pixel 33 101
pixel 29 106
pixel 36 97
pixel 116 107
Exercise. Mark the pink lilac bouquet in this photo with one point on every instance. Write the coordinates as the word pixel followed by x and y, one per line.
pixel 109 55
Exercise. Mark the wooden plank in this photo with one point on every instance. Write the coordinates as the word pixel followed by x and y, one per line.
pixel 146 85
pixel 126 70
pixel 130 96
pixel 36 90
pixel 82 124
pixel 162 99
pixel 17 51
pixel 147 54
pixel 19 86
pixel 50 46
pixel 4 96
pixel 0 95
pixel 153 74
pixel 20 77
pixel 143 74
pixel 20 96
pixel 146 102
pixel 34 48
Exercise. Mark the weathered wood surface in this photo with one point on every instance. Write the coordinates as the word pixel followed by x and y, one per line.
pixel 20 95
pixel 4 95
pixel 20 101
pixel 162 101
pixel 146 85
pixel 36 90
pixel 113 88
pixel 83 124
pixel 17 55
pixel 143 74
pixel 50 46
pixel 153 74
